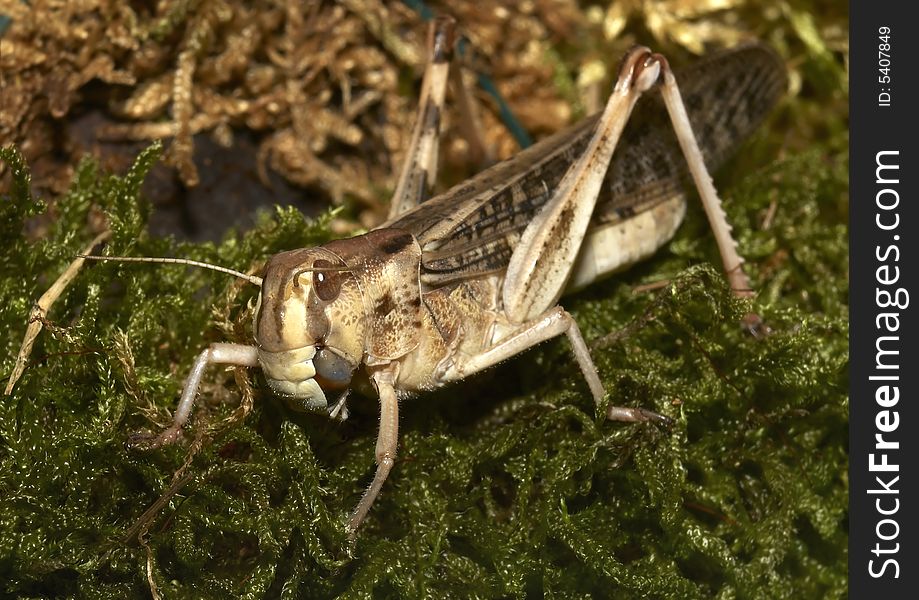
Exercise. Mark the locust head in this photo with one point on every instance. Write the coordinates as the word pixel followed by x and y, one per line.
pixel 324 311
pixel 308 326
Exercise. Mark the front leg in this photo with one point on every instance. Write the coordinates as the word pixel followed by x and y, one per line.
pixel 227 354
pixel 387 441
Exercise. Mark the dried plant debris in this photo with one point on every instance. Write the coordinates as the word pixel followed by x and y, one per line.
pixel 510 485
pixel 321 85
pixel 324 90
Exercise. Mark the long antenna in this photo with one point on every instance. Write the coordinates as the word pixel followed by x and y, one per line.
pixel 177 261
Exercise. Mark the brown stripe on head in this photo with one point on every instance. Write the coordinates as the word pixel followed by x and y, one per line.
pixel 284 318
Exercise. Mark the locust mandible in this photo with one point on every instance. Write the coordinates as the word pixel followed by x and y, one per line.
pixel 452 285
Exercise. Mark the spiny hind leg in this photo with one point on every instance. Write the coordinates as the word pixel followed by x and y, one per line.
pixel 727 245
pixel 470 122
pixel 541 264
pixel 552 323
pixel 419 170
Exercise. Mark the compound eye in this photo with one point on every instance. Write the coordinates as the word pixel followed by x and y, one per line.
pixel 326 281
pixel 332 371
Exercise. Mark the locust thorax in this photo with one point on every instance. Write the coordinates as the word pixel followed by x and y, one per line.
pixel 308 326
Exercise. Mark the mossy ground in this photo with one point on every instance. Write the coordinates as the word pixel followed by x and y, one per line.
pixel 509 485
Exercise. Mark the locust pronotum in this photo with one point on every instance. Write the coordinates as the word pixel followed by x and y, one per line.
pixel 455 284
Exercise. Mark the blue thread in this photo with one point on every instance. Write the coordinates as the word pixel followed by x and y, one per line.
pixel 5 21
pixel 485 82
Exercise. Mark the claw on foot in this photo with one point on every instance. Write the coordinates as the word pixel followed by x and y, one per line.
pixel 754 324
pixel 637 415
pixel 144 441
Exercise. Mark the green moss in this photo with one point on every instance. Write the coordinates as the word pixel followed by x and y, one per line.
pixel 507 485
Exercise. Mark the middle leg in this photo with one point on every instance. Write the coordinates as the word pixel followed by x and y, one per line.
pixel 552 323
